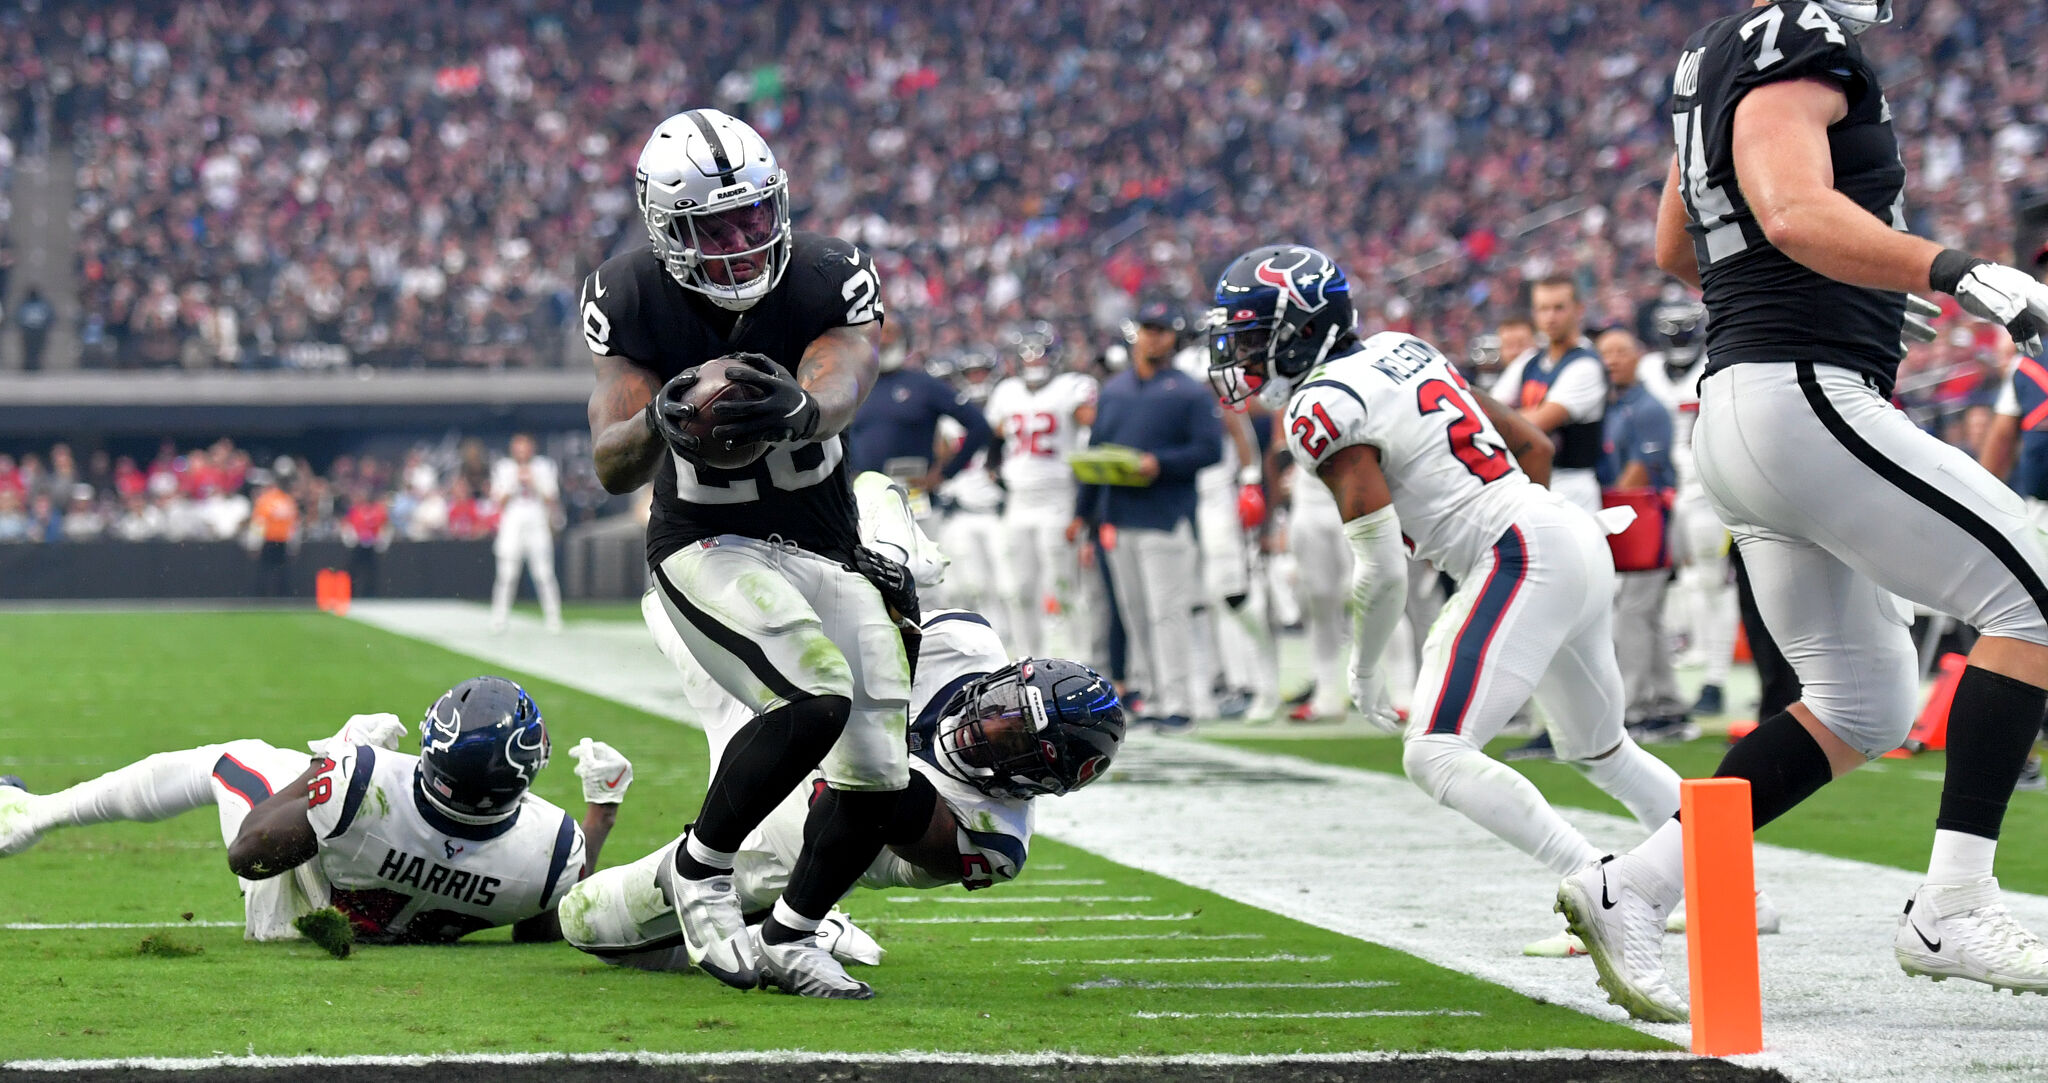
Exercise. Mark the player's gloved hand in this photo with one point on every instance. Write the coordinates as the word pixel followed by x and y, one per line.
pixel 784 411
pixel 1369 696
pixel 1918 325
pixel 381 730
pixel 604 772
pixel 2004 295
pixel 892 579
pixel 1251 507
pixel 667 414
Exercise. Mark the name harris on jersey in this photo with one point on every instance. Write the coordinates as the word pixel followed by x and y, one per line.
pixel 435 878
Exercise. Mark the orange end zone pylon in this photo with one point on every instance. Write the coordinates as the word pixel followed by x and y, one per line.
pixel 1930 730
pixel 1720 917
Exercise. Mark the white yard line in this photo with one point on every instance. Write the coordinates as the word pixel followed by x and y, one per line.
pixel 1388 1013
pixel 1150 938
pixel 1002 899
pixel 1169 960
pixel 1368 855
pixel 724 1058
pixel 1023 919
pixel 48 926
pixel 1114 983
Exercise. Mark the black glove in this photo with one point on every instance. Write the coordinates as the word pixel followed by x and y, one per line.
pixel 667 413
pixel 893 580
pixel 784 412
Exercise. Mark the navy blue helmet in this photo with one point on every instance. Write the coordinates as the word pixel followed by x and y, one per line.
pixel 1037 727
pixel 481 744
pixel 1280 309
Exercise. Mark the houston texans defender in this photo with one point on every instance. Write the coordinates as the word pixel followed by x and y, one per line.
pixel 1040 412
pixel 422 849
pixel 1786 203
pixel 988 736
pixel 754 565
pixel 1411 453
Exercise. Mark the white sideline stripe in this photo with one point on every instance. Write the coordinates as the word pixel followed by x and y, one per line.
pixel 1020 900
pixel 46 926
pixel 809 1056
pixel 1276 957
pixel 1116 983
pixel 1304 1015
pixel 1083 882
pixel 1115 936
pixel 1029 919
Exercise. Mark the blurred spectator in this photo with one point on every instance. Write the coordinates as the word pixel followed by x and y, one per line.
pixel 367 531
pixel 274 527
pixel 14 521
pixel 82 520
pixel 469 517
pixel 34 318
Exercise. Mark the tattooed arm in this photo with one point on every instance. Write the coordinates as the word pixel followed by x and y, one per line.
pixel 625 449
pixel 839 369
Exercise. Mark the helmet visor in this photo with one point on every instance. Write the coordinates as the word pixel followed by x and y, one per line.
pixel 992 743
pixel 1238 354
pixel 733 245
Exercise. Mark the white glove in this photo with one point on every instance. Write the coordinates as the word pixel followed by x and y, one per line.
pixel 604 772
pixel 1369 696
pixel 381 730
pixel 2006 296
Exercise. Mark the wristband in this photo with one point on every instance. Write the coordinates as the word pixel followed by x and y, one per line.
pixel 1950 267
pixel 1249 474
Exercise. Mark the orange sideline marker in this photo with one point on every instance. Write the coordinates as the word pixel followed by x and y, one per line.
pixel 1720 917
pixel 1930 730
pixel 323 589
pixel 344 589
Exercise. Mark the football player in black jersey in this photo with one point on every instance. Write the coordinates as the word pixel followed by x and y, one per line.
pixel 754 566
pixel 1785 203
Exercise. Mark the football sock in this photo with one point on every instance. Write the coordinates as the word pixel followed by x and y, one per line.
pixel 696 861
pixel 765 760
pixel 152 789
pixel 1662 857
pixel 1644 784
pixel 842 837
pixel 1992 725
pixel 1784 766
pixel 1497 798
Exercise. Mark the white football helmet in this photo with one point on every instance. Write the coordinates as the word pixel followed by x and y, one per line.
pixel 1856 16
pixel 716 206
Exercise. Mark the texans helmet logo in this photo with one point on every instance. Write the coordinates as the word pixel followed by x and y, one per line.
pixel 438 732
pixel 1310 270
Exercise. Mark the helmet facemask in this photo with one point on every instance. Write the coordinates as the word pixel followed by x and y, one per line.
pixel 733 250
pixel 1856 16
pixel 1264 356
pixel 988 738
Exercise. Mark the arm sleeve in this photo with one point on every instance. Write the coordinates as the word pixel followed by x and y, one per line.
pixel 1203 445
pixel 1379 584
pixel 960 408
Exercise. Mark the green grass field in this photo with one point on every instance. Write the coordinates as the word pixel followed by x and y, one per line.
pixel 86 693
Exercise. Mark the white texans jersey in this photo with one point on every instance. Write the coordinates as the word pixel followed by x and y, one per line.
pixel 1680 393
pixel 974 488
pixel 994 832
pixel 1039 429
pixel 1218 482
pixel 401 871
pixel 1456 488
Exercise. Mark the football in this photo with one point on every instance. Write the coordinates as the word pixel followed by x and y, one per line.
pixel 714 386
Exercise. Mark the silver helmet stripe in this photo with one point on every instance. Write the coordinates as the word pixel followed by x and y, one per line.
pixel 718 155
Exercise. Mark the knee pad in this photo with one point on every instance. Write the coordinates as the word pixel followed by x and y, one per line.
pixel 1431 761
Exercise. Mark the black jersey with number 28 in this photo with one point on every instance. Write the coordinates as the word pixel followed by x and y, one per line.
pixel 799 491
pixel 1761 305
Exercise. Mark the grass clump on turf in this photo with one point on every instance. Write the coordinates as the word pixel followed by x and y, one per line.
pixel 329 929
pixel 166 946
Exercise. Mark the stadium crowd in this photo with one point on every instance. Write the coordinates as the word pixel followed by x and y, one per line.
pixel 215 493
pixel 398 183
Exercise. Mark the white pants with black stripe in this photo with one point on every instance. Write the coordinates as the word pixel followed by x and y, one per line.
pixel 772 623
pixel 1843 508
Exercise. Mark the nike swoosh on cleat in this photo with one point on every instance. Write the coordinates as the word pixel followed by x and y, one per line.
pixel 1605 902
pixel 1932 945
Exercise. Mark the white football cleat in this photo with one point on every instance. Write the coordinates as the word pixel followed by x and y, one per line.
pixel 805 968
pixel 848 942
pixel 1964 931
pixel 1767 919
pixel 714 931
pixel 16 834
pixel 1622 926
pixel 1561 946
